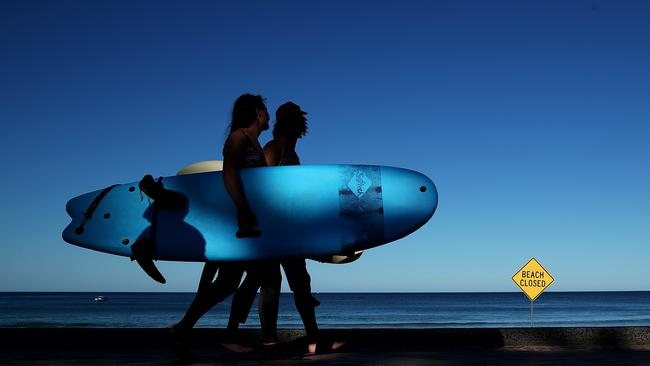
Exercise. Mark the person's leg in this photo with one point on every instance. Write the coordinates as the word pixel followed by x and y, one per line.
pixel 207 275
pixel 269 277
pixel 212 293
pixel 242 302
pixel 300 284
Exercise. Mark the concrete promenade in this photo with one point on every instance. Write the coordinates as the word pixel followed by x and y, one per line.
pixel 510 346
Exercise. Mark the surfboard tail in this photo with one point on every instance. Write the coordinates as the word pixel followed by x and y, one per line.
pixel 92 221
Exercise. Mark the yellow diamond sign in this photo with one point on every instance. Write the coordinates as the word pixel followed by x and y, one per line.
pixel 532 279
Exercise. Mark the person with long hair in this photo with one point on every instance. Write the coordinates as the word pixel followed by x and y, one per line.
pixel 241 150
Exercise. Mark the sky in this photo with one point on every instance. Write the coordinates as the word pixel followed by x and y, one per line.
pixel 531 117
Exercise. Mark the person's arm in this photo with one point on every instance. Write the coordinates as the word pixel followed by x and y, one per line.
pixel 233 152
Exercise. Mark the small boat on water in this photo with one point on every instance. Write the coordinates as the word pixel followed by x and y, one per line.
pixel 100 299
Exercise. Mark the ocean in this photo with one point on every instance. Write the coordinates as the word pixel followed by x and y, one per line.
pixel 337 310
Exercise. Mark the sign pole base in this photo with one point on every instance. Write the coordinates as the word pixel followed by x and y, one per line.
pixel 531 314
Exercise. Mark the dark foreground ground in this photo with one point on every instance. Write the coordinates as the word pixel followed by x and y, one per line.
pixel 510 346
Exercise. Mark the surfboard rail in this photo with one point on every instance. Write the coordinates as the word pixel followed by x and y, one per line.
pixel 308 211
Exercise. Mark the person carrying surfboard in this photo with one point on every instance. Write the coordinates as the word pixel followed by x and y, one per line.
pixel 241 150
pixel 290 125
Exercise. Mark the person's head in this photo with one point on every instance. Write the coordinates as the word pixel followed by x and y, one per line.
pixel 290 121
pixel 249 109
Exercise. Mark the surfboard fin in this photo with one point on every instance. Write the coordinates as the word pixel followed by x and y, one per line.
pixel 150 268
pixel 141 252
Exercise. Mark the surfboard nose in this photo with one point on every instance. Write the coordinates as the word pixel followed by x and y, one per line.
pixel 410 199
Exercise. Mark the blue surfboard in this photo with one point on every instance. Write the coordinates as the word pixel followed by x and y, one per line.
pixel 303 211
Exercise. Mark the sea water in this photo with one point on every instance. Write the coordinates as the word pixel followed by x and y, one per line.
pixel 337 310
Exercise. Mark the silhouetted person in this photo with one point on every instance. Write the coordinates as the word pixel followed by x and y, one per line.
pixel 241 150
pixel 290 125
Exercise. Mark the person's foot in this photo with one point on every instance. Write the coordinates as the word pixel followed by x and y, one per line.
pixel 324 347
pixel 179 335
pixel 237 348
pixel 234 342
pixel 272 350
pixel 180 341
pixel 184 355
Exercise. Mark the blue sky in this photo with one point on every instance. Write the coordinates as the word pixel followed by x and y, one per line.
pixel 532 118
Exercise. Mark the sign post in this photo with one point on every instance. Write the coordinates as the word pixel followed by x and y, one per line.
pixel 532 279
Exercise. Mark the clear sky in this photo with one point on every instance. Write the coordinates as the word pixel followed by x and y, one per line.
pixel 532 118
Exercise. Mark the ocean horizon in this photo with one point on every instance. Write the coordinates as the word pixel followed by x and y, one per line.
pixel 337 310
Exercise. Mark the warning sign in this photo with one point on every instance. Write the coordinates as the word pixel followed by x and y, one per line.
pixel 532 279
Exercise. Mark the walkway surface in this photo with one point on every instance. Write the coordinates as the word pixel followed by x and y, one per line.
pixel 507 346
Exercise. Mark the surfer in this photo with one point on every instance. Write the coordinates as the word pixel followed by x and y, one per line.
pixel 290 125
pixel 241 150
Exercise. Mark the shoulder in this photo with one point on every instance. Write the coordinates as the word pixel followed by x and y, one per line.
pixel 272 152
pixel 272 145
pixel 237 141
pixel 237 137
